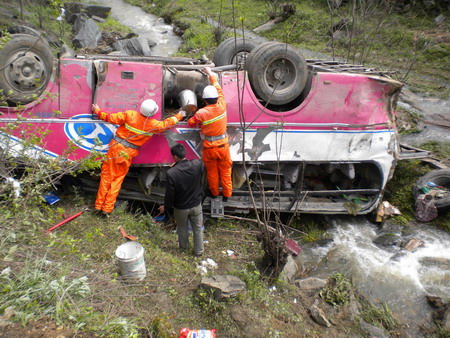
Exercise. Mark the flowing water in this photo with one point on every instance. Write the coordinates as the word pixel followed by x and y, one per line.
pixel 145 25
pixel 390 275
pixel 387 274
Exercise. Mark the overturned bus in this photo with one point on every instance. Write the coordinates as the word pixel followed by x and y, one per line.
pixel 305 136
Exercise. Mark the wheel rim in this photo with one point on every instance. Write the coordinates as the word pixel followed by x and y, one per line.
pixel 239 59
pixel 26 71
pixel 280 75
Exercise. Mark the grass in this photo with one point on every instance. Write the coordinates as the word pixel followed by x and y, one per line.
pixel 380 316
pixel 80 256
pixel 386 40
pixel 338 290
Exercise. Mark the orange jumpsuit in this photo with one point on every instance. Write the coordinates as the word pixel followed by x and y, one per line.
pixel 212 120
pixel 134 130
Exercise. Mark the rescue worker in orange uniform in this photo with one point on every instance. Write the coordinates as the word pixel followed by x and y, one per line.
pixel 135 128
pixel 212 120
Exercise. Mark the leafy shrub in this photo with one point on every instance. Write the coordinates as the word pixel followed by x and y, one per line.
pixel 338 290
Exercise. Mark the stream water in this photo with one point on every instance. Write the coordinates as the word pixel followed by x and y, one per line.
pixel 145 25
pixel 390 275
pixel 386 274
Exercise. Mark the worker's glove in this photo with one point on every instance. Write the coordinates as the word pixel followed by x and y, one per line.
pixel 102 115
pixel 182 113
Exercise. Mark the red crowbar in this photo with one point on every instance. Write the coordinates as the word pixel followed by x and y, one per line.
pixel 68 219
pixel 124 234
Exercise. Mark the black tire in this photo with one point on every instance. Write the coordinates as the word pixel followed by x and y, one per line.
pixel 23 30
pixel 254 54
pixel 278 73
pixel 440 177
pixel 26 64
pixel 233 51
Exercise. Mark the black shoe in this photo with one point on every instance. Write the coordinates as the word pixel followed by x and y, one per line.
pixel 96 212
pixel 106 214
pixel 225 199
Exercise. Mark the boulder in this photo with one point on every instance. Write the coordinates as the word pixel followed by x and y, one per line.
pixel 87 33
pixel 134 46
pixel 318 316
pixel 311 283
pixel 388 240
pixel 413 244
pixel 74 8
pixel 290 270
pixel 373 331
pixel 223 286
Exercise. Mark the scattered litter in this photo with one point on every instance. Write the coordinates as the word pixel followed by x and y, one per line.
pixel 426 211
pixel 295 300
pixel 124 234
pixel 293 247
pixel 15 185
pixel 386 210
pixel 205 265
pixel 51 198
pixel 229 253
pixel 205 242
pixel 160 218
pixel 273 288
pixel 202 333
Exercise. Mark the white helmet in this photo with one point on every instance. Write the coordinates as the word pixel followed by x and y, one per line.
pixel 210 92
pixel 149 107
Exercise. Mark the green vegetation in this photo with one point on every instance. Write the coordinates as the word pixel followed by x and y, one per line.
pixel 111 25
pixel 338 290
pixel 440 150
pixel 380 316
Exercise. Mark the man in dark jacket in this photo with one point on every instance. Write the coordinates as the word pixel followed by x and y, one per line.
pixel 184 193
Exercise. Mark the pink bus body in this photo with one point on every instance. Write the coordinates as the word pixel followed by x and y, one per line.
pixel 336 145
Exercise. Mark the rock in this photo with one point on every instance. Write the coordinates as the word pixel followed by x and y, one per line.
pixel 290 270
pixel 440 19
pixel 446 320
pixel 435 301
pixel 373 331
pixel 439 262
pixel 319 316
pixel 388 240
pixel 98 19
pixel 245 321
pixel 223 286
pixel 413 244
pixel 87 33
pixel 134 46
pixel 311 283
pixel 66 51
pixel 74 8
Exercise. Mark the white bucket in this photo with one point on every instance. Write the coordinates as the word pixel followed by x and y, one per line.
pixel 130 257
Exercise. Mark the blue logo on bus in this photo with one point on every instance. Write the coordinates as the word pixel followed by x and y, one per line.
pixel 90 136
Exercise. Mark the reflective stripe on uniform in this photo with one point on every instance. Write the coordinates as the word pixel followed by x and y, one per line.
pixel 215 119
pixel 215 138
pixel 137 131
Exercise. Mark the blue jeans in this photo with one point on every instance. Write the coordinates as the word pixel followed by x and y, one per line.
pixel 195 216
